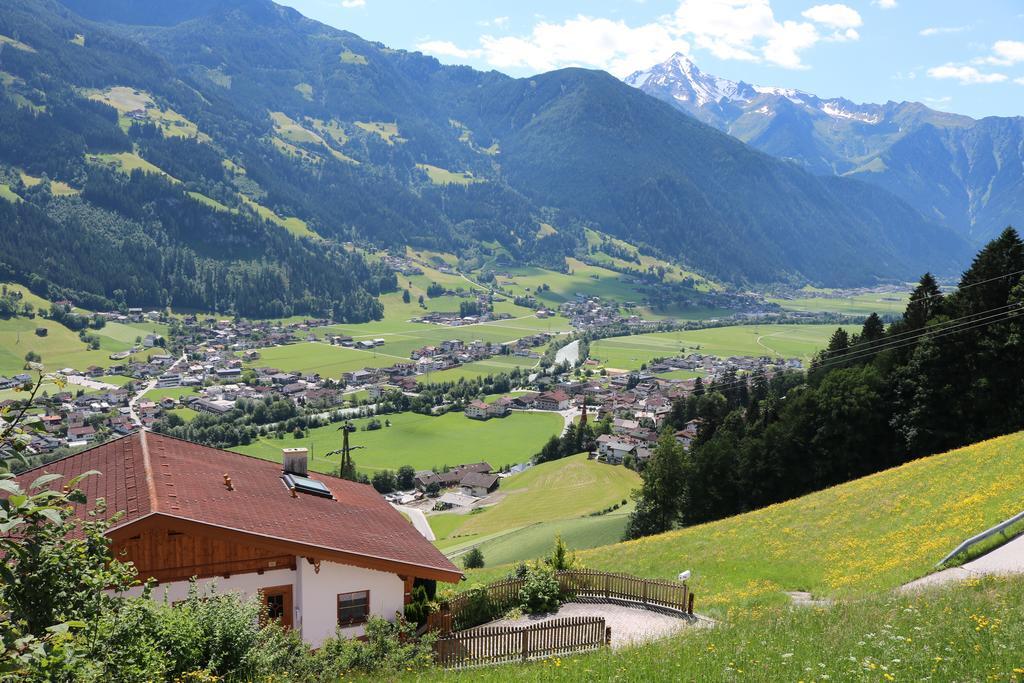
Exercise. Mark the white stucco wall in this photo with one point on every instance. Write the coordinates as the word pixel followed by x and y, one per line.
pixel 247 584
pixel 316 597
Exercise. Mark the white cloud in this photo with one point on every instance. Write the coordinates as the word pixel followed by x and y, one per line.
pixel 941 30
pixel 745 30
pixel 748 29
pixel 446 48
pixel 966 75
pixel 835 16
pixel 884 4
pixel 1019 81
pixel 584 41
pixel 499 22
pixel 1007 52
pixel 352 4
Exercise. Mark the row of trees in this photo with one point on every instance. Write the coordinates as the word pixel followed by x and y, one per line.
pixel 949 373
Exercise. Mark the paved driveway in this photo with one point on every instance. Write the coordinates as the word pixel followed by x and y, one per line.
pixel 630 625
pixel 1006 559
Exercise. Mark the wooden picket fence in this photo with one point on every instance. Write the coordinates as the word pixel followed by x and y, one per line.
pixel 500 644
pixel 474 608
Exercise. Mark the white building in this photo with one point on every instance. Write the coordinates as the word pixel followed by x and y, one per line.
pixel 324 553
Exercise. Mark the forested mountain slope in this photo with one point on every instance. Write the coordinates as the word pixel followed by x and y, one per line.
pixel 246 142
pixel 967 174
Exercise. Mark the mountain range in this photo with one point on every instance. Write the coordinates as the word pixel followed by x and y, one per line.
pixel 965 173
pixel 224 145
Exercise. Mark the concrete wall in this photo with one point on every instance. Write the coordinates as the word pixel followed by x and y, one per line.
pixel 317 597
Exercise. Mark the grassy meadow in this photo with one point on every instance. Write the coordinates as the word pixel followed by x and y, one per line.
pixel 971 632
pixel 786 341
pixel 550 498
pixel 811 300
pixel 61 348
pixel 422 441
pixel 850 541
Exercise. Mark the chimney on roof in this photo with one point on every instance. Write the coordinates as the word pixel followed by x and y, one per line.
pixel 296 461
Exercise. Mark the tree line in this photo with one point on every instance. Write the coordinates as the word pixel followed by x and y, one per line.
pixel 949 373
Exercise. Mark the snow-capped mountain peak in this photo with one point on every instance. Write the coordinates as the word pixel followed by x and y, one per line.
pixel 678 79
pixel 687 83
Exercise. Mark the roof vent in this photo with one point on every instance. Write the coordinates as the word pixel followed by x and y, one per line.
pixel 296 461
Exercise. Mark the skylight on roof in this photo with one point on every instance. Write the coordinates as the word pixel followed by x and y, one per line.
pixel 307 485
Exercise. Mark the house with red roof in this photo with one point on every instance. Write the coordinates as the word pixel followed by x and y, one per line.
pixel 324 553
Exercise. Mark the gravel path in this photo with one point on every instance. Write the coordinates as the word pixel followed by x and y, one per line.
pixel 630 625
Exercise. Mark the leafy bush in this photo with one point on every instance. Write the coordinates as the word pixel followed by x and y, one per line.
pixel 540 592
pixel 388 649
pixel 474 559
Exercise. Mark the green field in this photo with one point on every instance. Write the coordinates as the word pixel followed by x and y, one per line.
pixel 860 304
pixel 787 341
pixel 176 393
pixel 550 498
pixel 325 359
pixel 481 368
pixel 971 632
pixel 423 442
pixel 583 279
pixel 850 541
pixel 61 348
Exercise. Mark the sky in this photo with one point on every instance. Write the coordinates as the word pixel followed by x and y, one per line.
pixel 965 57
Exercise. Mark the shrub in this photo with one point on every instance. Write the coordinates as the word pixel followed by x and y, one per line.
pixel 474 559
pixel 388 649
pixel 539 593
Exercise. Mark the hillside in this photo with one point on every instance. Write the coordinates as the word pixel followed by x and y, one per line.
pixel 869 535
pixel 961 172
pixel 247 116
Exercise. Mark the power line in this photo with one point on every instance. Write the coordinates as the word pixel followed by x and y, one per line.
pixel 944 322
pixel 934 332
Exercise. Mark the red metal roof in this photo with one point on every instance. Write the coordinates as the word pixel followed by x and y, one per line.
pixel 145 474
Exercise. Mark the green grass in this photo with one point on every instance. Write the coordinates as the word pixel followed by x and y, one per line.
pixel 971 632
pixel 535 541
pixel 481 368
pixel 186 414
pixel 442 176
pixel 7 194
pixel 860 304
pixel 176 393
pixel 680 374
pixel 563 491
pixel 349 57
pixel 60 348
pixel 388 132
pixel 126 162
pixel 853 540
pixel 787 341
pixel 325 359
pixel 424 442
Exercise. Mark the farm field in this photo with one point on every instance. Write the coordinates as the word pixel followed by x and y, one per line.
pixel 480 368
pixel 535 541
pixel 852 540
pixel 583 279
pixel 422 441
pixel 861 304
pixel 787 341
pixel 169 392
pixel 325 359
pixel 563 490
